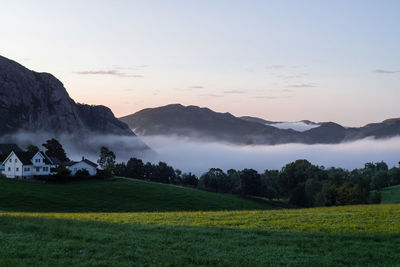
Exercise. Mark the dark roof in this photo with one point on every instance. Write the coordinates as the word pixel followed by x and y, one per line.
pixel 7 148
pixel 68 163
pixel 47 159
pixel 25 157
pixel 88 162
pixel 55 160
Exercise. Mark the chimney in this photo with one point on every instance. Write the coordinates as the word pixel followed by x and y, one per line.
pixel 83 158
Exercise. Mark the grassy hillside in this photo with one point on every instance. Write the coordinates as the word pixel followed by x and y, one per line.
pixel 120 195
pixel 391 194
pixel 358 235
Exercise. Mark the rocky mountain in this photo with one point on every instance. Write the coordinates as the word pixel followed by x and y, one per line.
pixel 35 101
pixel 205 124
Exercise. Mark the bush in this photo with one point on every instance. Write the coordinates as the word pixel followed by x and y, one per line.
pixel 82 173
pixel 63 171
pixel 375 197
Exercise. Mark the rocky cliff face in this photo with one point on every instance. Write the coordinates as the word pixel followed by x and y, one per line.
pixel 34 101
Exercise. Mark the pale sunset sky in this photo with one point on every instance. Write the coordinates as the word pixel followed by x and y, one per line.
pixel 280 60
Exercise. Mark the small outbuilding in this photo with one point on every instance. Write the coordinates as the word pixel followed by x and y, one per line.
pixel 84 164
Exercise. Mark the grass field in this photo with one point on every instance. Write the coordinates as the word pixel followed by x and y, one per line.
pixel 134 223
pixel 357 235
pixel 375 219
pixel 391 194
pixel 120 195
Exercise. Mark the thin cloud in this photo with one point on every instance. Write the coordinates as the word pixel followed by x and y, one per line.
pixel 196 87
pixel 380 71
pixel 303 85
pixel 211 95
pixel 234 92
pixel 265 97
pixel 287 91
pixel 275 67
pixel 113 72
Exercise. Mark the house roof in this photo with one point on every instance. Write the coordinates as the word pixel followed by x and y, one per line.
pixel 46 158
pixel 90 163
pixel 25 157
pixel 7 148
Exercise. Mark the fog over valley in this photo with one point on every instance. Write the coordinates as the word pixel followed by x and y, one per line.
pixel 198 157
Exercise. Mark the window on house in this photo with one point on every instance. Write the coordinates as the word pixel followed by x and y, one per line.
pixel 45 169
pixel 37 160
pixel 27 169
pixel 16 160
pixel 17 169
pixel 9 169
pixel 37 169
pixel 10 160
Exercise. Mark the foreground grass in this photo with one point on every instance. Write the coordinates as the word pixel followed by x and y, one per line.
pixel 347 219
pixel 391 194
pixel 119 195
pixel 43 241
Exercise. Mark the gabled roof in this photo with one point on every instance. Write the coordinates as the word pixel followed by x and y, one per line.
pixel 25 157
pixel 90 163
pixel 46 158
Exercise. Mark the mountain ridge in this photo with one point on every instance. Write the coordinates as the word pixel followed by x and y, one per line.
pixel 205 124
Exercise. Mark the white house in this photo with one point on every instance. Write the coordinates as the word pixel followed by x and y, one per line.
pixel 25 165
pixel 84 164
pixel 5 150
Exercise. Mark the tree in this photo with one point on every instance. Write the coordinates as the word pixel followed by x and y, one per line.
pixel 234 178
pixel 215 180
pixel 107 159
pixel 163 173
pixel 379 180
pixel 349 194
pixel 189 179
pixel 63 171
pixel 251 182
pixel 55 149
pixel 375 197
pixel 135 168
pixel 32 148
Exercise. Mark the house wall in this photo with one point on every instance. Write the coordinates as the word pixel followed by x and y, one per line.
pixel 80 166
pixel 39 166
pixel 27 171
pixel 13 167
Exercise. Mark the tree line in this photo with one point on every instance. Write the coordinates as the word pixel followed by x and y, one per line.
pixel 300 183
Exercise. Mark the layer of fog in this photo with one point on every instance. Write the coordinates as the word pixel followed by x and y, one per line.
pixel 299 126
pixel 87 146
pixel 198 157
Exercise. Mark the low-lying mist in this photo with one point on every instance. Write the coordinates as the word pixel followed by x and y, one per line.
pixel 87 146
pixel 197 157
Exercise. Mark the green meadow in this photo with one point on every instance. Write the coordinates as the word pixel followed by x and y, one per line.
pixel 118 195
pixel 139 234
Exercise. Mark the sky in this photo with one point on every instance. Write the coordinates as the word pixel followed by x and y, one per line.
pixel 283 60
